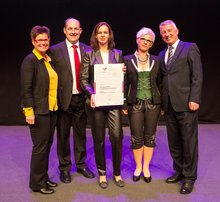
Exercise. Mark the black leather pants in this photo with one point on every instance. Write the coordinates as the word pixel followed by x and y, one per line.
pixel 100 118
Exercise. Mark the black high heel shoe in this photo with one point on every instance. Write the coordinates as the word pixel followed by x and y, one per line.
pixel 136 178
pixel 147 179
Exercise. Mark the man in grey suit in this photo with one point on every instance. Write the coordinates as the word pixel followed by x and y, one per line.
pixel 71 101
pixel 181 96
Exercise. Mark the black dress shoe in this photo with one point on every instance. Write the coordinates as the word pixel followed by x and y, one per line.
pixel 136 178
pixel 86 172
pixel 46 190
pixel 147 179
pixel 186 188
pixel 175 178
pixel 103 184
pixel 65 176
pixel 120 183
pixel 51 184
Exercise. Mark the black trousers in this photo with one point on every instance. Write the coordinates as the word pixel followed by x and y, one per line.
pixel 182 129
pixel 42 133
pixel 143 118
pixel 100 118
pixel 74 117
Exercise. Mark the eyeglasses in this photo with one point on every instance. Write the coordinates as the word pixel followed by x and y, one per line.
pixel 41 40
pixel 145 40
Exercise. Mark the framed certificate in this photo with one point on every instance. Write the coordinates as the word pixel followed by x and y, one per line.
pixel 108 84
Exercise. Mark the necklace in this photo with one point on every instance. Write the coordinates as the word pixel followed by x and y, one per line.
pixel 143 61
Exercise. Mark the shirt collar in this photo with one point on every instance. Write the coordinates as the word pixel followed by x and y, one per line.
pixel 175 44
pixel 40 57
pixel 69 45
pixel 136 54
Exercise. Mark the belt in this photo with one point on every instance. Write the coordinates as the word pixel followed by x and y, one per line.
pixel 148 100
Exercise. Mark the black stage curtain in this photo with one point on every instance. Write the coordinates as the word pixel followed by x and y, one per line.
pixel 197 22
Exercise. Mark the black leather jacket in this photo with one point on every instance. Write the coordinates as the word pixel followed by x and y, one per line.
pixel 91 58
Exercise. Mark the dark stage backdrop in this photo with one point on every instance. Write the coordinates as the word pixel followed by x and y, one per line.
pixel 196 20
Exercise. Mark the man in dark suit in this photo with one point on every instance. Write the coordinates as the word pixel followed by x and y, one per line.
pixel 181 96
pixel 71 101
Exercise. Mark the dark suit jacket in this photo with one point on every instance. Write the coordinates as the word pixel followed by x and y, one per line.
pixel 60 57
pixel 182 80
pixel 87 67
pixel 131 81
pixel 34 84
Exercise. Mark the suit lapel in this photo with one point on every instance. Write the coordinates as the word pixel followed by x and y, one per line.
pixel 134 59
pixel 98 58
pixel 66 58
pixel 151 60
pixel 176 54
pixel 111 60
pixel 163 61
pixel 82 49
pixel 178 51
pixel 111 57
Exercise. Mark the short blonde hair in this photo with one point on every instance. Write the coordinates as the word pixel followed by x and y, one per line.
pixel 144 31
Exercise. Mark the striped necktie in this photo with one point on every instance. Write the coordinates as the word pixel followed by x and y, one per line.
pixel 170 55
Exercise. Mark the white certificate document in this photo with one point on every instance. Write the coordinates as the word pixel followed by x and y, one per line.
pixel 108 84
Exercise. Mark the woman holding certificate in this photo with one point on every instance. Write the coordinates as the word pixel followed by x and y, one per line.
pixel 103 52
pixel 143 100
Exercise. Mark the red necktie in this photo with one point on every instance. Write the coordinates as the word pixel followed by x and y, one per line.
pixel 77 67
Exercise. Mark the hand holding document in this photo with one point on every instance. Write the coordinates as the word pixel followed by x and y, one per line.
pixel 109 84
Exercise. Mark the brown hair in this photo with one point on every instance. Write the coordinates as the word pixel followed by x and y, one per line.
pixel 36 30
pixel 93 40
